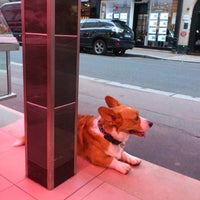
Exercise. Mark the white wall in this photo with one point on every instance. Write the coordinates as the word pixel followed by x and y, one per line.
pixel 188 6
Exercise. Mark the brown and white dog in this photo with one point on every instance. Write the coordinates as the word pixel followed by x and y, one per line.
pixel 101 139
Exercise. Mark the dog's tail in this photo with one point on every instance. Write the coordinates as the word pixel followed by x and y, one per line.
pixel 19 142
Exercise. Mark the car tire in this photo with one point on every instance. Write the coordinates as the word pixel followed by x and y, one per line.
pixel 99 47
pixel 119 52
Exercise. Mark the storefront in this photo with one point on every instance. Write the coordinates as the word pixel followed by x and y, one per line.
pixel 90 8
pixel 85 9
pixel 153 21
pixel 194 39
pixel 160 24
pixel 118 9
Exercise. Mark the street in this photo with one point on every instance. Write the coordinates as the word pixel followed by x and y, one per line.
pixel 174 140
pixel 169 76
pixel 172 77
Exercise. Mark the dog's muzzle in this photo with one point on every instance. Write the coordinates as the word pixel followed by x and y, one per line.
pixel 140 133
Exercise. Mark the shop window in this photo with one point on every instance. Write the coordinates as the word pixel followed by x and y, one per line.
pixel 162 19
pixel 117 9
pixel 85 9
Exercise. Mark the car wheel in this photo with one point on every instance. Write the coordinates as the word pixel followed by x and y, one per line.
pixel 99 47
pixel 119 52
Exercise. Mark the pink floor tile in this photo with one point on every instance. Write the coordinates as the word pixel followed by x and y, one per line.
pixel 107 192
pixel 149 181
pixel 14 193
pixel 4 183
pixel 86 190
pixel 64 190
pixel 12 164
pixel 145 182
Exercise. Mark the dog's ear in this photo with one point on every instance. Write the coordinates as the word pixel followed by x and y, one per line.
pixel 109 115
pixel 111 102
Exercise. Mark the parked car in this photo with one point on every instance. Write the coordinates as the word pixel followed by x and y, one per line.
pixel 104 35
pixel 12 14
pixel 101 35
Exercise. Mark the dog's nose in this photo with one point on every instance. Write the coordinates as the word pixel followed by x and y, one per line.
pixel 150 124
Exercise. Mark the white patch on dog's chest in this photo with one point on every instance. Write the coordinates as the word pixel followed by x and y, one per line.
pixel 95 127
pixel 114 151
pixel 96 130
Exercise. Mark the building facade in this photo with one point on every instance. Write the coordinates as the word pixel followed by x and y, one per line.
pixel 190 23
pixel 160 24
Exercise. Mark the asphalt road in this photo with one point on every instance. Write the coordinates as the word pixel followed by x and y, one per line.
pixel 162 75
pixel 174 140
pixel 173 77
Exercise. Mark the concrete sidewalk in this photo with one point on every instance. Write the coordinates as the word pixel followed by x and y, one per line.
pixel 163 54
pixel 145 182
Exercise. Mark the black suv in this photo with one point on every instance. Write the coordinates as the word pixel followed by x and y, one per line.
pixel 104 35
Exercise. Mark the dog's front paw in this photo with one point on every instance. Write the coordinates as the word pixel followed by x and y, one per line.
pixel 131 159
pixel 122 167
pixel 135 161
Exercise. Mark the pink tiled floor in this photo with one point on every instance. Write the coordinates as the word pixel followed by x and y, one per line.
pixel 146 182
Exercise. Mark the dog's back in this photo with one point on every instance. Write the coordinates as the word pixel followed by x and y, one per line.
pixel 84 124
pixel 90 144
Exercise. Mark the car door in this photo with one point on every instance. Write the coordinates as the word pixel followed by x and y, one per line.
pixel 87 31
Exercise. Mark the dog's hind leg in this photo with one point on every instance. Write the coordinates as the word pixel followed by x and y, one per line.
pixel 100 159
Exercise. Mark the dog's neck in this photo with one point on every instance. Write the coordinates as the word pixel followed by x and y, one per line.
pixel 106 135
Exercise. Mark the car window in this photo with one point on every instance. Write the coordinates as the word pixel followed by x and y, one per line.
pixel 105 24
pixel 89 25
pixel 122 25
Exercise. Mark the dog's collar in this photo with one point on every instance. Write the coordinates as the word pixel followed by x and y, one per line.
pixel 107 136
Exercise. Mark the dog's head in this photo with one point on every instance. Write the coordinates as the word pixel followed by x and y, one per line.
pixel 122 119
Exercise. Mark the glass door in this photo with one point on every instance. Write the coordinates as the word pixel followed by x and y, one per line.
pixel 140 24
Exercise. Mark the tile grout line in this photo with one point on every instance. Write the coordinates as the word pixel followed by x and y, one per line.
pixel 85 185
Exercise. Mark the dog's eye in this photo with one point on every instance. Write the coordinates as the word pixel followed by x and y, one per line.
pixel 136 118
